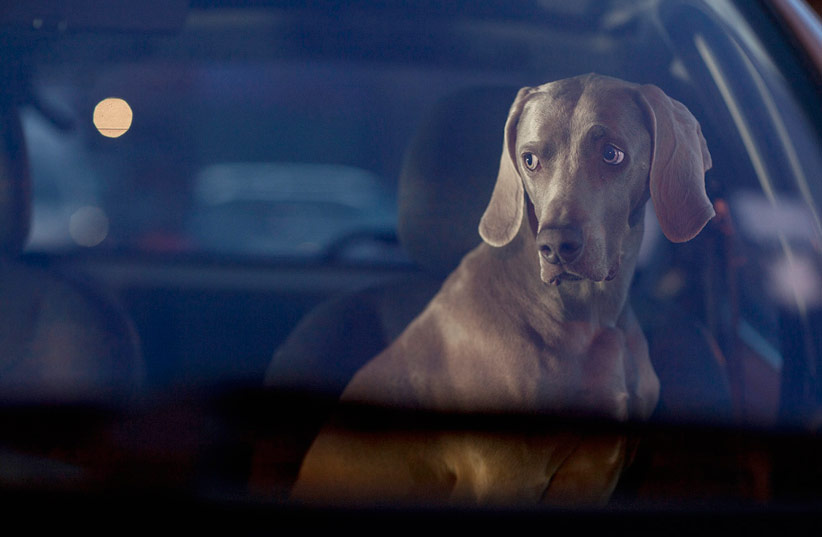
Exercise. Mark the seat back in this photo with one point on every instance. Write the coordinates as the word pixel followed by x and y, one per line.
pixel 447 177
pixel 62 340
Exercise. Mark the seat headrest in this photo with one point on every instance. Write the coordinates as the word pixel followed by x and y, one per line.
pixel 448 175
pixel 15 193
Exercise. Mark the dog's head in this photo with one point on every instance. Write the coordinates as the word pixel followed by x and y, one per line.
pixel 580 158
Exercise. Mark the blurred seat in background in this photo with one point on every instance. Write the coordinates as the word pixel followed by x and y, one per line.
pixel 62 341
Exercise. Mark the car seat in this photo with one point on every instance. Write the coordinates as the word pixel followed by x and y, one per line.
pixel 446 180
pixel 62 340
pixel 448 174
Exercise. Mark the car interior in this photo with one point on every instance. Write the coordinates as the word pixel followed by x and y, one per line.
pixel 297 182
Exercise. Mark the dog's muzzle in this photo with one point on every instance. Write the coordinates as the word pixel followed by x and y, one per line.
pixel 560 246
pixel 562 257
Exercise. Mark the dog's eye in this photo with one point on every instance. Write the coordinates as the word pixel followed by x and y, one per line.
pixel 612 155
pixel 531 161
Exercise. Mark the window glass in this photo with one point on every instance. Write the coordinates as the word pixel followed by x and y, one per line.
pixel 277 140
pixel 261 140
pixel 288 209
pixel 330 134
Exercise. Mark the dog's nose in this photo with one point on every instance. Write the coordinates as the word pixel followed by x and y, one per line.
pixel 560 246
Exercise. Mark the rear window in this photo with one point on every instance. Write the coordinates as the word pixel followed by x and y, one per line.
pixel 224 157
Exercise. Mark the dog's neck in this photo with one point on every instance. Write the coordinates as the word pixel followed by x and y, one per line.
pixel 599 303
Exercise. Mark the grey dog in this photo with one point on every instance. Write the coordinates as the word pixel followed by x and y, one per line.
pixel 536 317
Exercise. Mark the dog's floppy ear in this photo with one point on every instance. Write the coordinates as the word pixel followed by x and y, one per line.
pixel 503 216
pixel 679 160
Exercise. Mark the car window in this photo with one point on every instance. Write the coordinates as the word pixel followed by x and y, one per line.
pixel 311 127
pixel 272 193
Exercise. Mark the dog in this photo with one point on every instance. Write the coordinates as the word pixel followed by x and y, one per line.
pixel 536 318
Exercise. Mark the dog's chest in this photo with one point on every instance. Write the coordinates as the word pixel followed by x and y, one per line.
pixel 574 367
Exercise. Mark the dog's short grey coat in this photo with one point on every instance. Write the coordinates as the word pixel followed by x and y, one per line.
pixel 536 318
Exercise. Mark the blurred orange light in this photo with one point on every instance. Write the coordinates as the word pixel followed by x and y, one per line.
pixel 112 117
